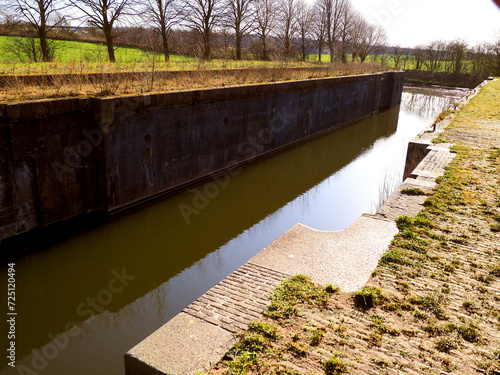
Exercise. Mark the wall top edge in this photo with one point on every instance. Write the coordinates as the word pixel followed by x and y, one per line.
pixel 37 109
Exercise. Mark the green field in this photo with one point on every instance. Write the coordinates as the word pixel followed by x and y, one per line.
pixel 83 57
pixel 72 52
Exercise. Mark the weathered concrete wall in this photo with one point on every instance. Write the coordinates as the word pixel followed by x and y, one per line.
pixel 36 140
pixel 66 157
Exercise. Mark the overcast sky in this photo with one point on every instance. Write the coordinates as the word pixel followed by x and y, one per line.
pixel 413 22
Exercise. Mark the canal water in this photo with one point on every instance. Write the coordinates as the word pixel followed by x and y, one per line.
pixel 82 303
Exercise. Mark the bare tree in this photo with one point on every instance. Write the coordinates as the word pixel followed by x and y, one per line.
pixel 357 34
pixel 345 29
pixel 405 59
pixel 494 57
pixel 370 38
pixel 434 55
pixel 240 17
pixel 287 26
pixel 305 18
pixel 397 58
pixel 319 27
pixel 104 14
pixel 265 19
pixel 457 52
pixel 42 16
pixel 203 16
pixel 381 54
pixel 418 54
pixel 332 10
pixel 163 15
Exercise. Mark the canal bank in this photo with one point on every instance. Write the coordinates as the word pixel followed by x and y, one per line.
pixel 431 305
pixel 224 306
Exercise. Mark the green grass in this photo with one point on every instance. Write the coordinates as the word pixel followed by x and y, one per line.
pixel 70 52
pixel 335 365
pixel 317 336
pixel 446 344
pixel 78 53
pixel 266 329
pixel 84 57
pixel 367 297
pixel 412 191
pixel 432 302
pixel 469 333
pixel 293 291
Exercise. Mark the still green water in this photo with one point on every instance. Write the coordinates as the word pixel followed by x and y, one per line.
pixel 82 303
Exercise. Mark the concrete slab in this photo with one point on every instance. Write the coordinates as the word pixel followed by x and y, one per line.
pixel 344 258
pixel 184 345
pixel 420 183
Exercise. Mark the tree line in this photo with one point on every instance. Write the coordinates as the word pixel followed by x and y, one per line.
pixel 283 29
pixel 263 29
pixel 453 56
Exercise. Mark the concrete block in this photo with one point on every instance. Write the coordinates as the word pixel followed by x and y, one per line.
pixel 183 346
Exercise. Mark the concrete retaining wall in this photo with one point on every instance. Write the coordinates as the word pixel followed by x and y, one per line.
pixel 67 157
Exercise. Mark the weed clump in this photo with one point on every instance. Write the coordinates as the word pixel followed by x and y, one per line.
pixel 446 344
pixel 412 191
pixel 298 349
pixel 469 306
pixel 495 271
pixel 292 292
pixel 395 256
pixel 335 365
pixel 317 336
pixel 268 330
pixel 375 339
pixel 431 302
pixel 331 289
pixel 253 342
pixel 367 297
pixel 495 227
pixel 469 333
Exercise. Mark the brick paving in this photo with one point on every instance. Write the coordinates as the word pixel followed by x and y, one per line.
pixel 238 299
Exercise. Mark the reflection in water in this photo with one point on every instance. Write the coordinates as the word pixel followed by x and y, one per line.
pixel 422 101
pixel 121 281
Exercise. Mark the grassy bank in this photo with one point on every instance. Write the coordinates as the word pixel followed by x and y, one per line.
pixel 433 303
pixel 15 89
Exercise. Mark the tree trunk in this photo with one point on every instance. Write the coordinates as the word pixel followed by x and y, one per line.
pixel 303 49
pixel 320 50
pixel 343 49
pixel 238 45
pixel 42 34
pixel 343 57
pixel 109 43
pixel 206 45
pixel 44 46
pixel 265 55
pixel 331 48
pixel 164 38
